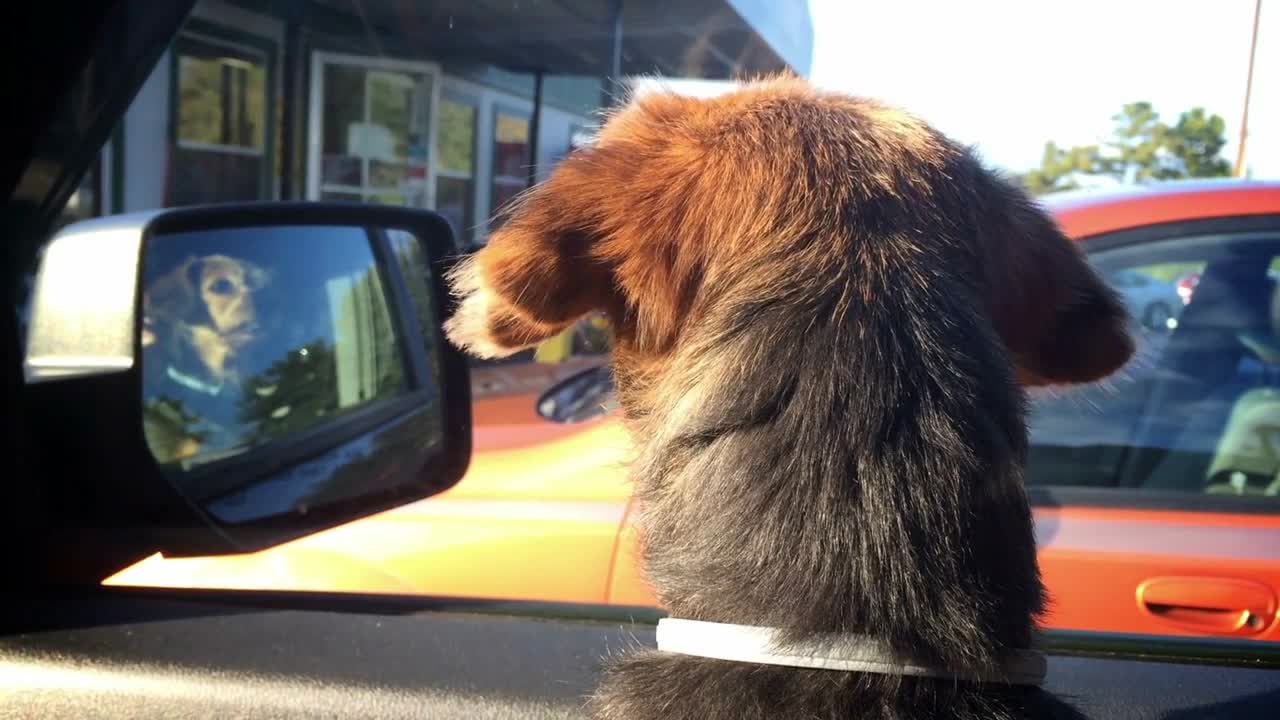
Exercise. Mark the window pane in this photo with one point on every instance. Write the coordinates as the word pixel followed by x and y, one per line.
pixel 511 145
pixel 221 124
pixel 383 174
pixel 504 191
pixel 203 176
pixel 342 197
pixel 343 108
pixel 457 137
pixel 376 124
pixel 453 201
pixel 245 345
pixel 222 95
pixel 1193 411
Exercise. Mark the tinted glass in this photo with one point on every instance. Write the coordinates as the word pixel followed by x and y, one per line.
pixel 408 253
pixel 1194 411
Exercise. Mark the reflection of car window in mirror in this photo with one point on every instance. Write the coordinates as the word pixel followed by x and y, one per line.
pixel 251 335
pixel 414 266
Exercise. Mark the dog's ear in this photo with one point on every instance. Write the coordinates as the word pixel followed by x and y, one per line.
pixel 537 274
pixel 1060 321
pixel 172 297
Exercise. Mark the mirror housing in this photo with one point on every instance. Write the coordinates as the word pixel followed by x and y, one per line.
pixel 310 331
pixel 583 396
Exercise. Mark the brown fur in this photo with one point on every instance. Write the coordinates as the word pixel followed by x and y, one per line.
pixel 205 308
pixel 825 314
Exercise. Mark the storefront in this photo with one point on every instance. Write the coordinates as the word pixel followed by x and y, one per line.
pixel 452 105
pixel 275 99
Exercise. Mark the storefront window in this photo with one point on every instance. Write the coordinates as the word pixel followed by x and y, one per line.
pixel 375 124
pixel 220 122
pixel 510 159
pixel 455 173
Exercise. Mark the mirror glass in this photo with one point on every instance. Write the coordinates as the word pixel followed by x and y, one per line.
pixel 251 335
pixel 580 397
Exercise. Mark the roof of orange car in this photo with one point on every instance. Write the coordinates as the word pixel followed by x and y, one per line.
pixel 1082 213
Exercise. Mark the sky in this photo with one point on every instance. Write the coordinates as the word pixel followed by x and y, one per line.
pixel 1008 75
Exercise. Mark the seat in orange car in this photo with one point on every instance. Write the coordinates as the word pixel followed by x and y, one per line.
pixel 1208 378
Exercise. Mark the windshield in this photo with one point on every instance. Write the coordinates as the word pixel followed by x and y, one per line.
pixel 1156 493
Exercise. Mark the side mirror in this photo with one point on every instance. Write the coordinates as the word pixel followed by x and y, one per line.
pixel 580 397
pixel 222 379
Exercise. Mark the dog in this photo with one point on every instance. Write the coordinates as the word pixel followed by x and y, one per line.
pixel 199 320
pixel 827 316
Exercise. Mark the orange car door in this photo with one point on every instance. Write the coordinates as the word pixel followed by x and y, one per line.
pixel 1157 492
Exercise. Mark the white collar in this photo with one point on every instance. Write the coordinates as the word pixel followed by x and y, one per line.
pixel 851 653
pixel 194 383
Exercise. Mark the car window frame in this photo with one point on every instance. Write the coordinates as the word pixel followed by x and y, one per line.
pixel 1048 497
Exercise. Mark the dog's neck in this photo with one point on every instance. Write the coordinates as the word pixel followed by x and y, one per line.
pixel 215 354
pixel 842 478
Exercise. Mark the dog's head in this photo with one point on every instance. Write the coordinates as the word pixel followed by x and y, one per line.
pixel 208 301
pixel 684 204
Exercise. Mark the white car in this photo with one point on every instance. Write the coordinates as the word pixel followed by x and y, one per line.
pixel 1152 301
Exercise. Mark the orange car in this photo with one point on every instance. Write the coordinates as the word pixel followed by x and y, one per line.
pixel 1156 494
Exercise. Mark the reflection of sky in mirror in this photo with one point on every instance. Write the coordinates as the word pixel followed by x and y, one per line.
pixel 293 309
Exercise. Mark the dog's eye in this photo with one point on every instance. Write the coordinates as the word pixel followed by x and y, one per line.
pixel 222 286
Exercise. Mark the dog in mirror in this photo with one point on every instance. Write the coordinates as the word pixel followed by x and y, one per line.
pixel 199 319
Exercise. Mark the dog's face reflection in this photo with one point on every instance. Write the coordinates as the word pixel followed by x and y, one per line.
pixel 209 303
pixel 227 289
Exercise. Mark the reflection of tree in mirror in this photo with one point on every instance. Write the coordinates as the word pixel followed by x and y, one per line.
pixel 173 432
pixel 311 384
pixel 295 393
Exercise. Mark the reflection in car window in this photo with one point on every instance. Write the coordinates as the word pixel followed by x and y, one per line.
pixel 244 344
pixel 1198 409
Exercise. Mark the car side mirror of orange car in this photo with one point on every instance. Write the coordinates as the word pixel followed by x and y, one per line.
pixel 223 379
pixel 584 395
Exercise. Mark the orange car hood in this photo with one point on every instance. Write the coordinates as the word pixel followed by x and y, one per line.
pixel 521 465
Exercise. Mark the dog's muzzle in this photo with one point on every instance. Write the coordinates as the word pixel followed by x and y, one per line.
pixel 850 653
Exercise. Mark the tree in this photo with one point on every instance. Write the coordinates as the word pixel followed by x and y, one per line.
pixel 1059 167
pixel 293 394
pixel 1142 148
pixel 1197 141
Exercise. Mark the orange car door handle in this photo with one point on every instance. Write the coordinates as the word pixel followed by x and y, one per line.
pixel 1213 605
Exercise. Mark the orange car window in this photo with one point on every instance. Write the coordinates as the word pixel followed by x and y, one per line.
pixel 1198 409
